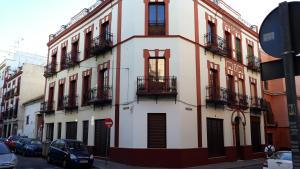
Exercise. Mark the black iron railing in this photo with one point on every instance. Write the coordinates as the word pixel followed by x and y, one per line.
pixel 216 44
pixel 162 85
pixel 71 102
pixel 236 100
pixel 239 56
pixel 257 105
pixel 47 107
pixel 72 59
pixel 100 96
pixel 101 44
pixel 156 27
pixel 216 95
pixel 50 70
pixel 254 63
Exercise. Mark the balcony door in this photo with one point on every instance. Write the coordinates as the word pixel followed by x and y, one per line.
pixel 231 89
pixel 157 19
pixel 50 99
pixel 103 83
pixel 228 44
pixel 74 54
pixel 156 73
pixel 211 33
pixel 253 94
pixel 214 85
pixel 105 31
pixel 72 93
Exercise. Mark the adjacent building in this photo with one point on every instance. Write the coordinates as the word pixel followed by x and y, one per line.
pixel 20 86
pixel 180 79
pixel 277 124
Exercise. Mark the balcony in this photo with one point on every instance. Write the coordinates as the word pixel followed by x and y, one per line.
pixel 101 44
pixel 72 59
pixel 100 97
pixel 156 28
pixel 257 105
pixel 163 86
pixel 237 101
pixel 253 63
pixel 239 57
pixel 47 107
pixel 215 96
pixel 71 103
pixel 50 70
pixel 216 44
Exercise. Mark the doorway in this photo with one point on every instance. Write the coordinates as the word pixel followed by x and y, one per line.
pixel 237 123
pixel 102 138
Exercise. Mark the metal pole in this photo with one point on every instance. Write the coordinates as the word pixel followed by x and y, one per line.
pixel 289 71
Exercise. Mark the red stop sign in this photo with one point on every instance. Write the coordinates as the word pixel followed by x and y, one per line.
pixel 108 123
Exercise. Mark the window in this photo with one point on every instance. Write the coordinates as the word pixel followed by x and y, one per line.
pixel 63 58
pixel 103 82
pixel 238 50
pixel 253 94
pixel 85 132
pixel 71 130
pixel 27 120
pixel 156 67
pixel 105 32
pixel 213 84
pixel 231 89
pixel 215 137
pixel 241 87
pixel 88 41
pixel 85 89
pixel 50 98
pixel 72 93
pixel 49 131
pixel 211 33
pixel 58 130
pixel 156 19
pixel 60 103
pixel 157 130
pixel 53 59
pixel 255 134
pixel 250 50
pixel 74 54
pixel 228 44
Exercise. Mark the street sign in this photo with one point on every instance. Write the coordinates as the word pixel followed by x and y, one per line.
pixel 274 69
pixel 271 34
pixel 108 123
pixel 279 36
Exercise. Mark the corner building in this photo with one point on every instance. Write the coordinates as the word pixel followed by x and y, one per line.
pixel 180 79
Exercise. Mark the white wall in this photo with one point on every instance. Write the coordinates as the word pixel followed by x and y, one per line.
pixel 31 110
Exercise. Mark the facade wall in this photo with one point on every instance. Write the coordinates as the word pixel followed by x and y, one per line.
pixel 127 60
pixel 30 111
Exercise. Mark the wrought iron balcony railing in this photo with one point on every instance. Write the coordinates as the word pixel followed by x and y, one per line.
pixel 156 27
pixel 47 107
pixel 238 101
pixel 72 59
pixel 216 44
pixel 70 102
pixel 101 44
pixel 239 56
pixel 253 63
pixel 50 70
pixel 257 105
pixel 162 86
pixel 216 96
pixel 100 96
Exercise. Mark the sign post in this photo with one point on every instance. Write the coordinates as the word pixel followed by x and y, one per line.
pixel 277 38
pixel 108 124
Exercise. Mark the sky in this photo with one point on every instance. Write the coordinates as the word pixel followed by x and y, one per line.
pixel 26 24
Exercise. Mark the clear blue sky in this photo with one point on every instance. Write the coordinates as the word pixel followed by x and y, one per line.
pixel 31 21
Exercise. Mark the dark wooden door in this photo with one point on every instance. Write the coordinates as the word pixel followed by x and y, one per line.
pixel 237 138
pixel 101 138
pixel 71 130
pixel 157 130
pixel 215 137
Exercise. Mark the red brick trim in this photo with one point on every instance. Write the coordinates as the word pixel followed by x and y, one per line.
pixel 210 18
pixel 52 84
pixel 213 66
pixel 62 81
pixel 103 20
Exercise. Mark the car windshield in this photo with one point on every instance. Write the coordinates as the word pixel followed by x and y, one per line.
pixel 283 156
pixel 74 145
pixel 4 149
pixel 35 142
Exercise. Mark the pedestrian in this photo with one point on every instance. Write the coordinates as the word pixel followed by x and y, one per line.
pixel 269 150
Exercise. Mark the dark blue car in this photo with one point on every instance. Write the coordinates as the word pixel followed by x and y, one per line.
pixel 70 153
pixel 29 147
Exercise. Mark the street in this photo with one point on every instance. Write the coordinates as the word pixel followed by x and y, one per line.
pixel 34 163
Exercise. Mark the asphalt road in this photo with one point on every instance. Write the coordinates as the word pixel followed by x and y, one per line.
pixel 34 163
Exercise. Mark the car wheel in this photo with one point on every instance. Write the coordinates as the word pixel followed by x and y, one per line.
pixel 49 160
pixel 65 164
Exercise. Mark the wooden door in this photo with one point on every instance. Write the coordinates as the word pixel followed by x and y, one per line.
pixel 101 138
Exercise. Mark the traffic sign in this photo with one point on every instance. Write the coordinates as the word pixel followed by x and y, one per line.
pixel 108 123
pixel 271 34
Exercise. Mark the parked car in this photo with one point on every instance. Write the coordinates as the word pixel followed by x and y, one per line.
pixel 7 158
pixel 29 147
pixel 279 160
pixel 11 141
pixel 2 139
pixel 70 153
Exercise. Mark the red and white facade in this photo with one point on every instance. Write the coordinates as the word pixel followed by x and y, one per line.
pixel 180 79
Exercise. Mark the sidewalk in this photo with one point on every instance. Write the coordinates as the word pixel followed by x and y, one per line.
pixel 228 165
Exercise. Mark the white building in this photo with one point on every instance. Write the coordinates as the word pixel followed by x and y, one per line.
pixel 180 79
pixel 24 84
pixel 33 118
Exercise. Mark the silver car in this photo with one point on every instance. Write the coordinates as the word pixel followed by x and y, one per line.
pixel 7 158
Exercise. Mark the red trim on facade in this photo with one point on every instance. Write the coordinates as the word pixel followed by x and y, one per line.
pixel 103 20
pixel 118 64
pixel 198 84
